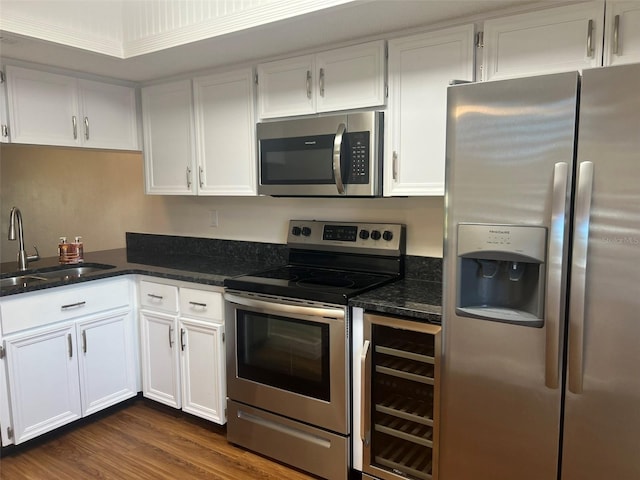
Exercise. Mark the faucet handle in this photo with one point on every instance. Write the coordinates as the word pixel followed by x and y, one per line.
pixel 34 258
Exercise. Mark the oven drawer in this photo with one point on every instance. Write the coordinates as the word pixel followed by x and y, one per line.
pixel 311 449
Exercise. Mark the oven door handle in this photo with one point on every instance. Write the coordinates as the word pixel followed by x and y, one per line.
pixel 337 313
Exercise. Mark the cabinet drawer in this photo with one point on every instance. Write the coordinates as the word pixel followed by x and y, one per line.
pixel 157 296
pixel 201 304
pixel 35 309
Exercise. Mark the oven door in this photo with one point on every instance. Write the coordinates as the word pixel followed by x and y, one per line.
pixel 289 357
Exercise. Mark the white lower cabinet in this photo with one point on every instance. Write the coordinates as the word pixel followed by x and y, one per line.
pixel 183 358
pixel 43 379
pixel 68 352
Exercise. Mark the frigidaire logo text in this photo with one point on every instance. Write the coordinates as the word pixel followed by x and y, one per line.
pixel 502 232
pixel 622 240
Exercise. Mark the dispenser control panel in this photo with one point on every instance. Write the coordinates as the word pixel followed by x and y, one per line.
pixel 520 240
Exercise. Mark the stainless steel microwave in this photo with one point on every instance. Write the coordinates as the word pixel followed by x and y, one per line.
pixel 336 155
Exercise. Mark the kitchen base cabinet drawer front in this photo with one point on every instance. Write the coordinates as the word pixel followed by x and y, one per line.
pixel 107 361
pixel 43 375
pixel 158 296
pixel 316 451
pixel 201 304
pixel 36 309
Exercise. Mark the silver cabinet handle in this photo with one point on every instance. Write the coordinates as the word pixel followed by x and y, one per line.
pixel 170 336
pixel 309 84
pixel 394 167
pixel 365 373
pixel 322 82
pixel 578 276
pixel 616 33
pixel 337 160
pixel 74 124
pixel 198 304
pixel 554 293
pixel 5 131
pixel 86 128
pixel 590 39
pixel 84 341
pixel 73 305
pixel 182 339
pixel 154 296
pixel 201 177
pixel 188 177
pixel 69 345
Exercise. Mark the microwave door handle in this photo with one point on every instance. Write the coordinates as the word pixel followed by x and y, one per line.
pixel 337 164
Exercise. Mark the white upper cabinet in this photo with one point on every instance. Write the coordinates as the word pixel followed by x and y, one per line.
pixel 622 33
pixel 51 109
pixel 340 79
pixel 546 41
pixel 108 116
pixel 225 133
pixel 201 145
pixel 169 141
pixel 420 69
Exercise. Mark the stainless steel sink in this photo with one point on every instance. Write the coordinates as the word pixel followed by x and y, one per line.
pixel 61 273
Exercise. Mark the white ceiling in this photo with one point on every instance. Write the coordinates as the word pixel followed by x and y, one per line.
pixel 338 24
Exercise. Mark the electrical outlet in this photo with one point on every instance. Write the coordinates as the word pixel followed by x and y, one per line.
pixel 213 222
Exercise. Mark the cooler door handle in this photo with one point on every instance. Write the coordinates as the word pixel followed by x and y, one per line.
pixel 578 276
pixel 554 291
pixel 365 373
pixel 337 164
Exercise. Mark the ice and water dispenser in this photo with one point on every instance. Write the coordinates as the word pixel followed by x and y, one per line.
pixel 501 273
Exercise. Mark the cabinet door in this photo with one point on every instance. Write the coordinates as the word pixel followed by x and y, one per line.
pixel 286 87
pixel 351 77
pixel 546 41
pixel 43 107
pixel 107 360
pixel 169 145
pixel 420 69
pixel 203 370
pixel 225 132
pixel 622 33
pixel 108 116
pixel 4 121
pixel 160 359
pixel 43 374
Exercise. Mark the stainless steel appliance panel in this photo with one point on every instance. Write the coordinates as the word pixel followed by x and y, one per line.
pixel 510 152
pixel 317 451
pixel 602 412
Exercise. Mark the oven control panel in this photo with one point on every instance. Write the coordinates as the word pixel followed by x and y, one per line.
pixel 383 238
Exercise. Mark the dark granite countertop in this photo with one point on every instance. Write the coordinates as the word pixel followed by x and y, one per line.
pixel 416 299
pixel 210 262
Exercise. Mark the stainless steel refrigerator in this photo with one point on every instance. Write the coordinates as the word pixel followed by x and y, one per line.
pixel 541 327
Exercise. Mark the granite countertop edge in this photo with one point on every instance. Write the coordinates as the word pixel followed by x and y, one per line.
pixel 411 298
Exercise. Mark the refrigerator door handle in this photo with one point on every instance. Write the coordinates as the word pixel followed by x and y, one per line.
pixel 578 276
pixel 553 305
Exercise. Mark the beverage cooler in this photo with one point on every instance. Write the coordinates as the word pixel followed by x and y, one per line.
pixel 398 399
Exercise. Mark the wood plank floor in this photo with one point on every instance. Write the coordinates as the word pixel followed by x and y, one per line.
pixel 140 441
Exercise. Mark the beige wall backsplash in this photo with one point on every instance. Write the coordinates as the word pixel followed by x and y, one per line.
pixel 99 195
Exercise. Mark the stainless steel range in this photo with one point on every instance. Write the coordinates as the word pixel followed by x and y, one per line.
pixel 288 369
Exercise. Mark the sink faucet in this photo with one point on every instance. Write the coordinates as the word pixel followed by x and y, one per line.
pixel 23 258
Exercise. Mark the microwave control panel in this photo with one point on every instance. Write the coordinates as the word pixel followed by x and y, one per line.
pixel 359 152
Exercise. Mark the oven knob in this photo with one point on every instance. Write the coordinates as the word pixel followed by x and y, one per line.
pixel 375 235
pixel 364 234
pixel 296 231
pixel 306 231
pixel 387 235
